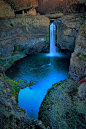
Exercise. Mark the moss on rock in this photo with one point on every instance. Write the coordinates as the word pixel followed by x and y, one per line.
pixel 61 106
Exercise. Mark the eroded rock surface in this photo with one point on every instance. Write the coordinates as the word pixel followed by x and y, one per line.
pixel 11 115
pixel 64 106
pixel 78 59
pixel 24 34
pixel 67 32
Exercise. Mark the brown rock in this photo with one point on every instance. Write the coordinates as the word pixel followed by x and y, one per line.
pixel 31 12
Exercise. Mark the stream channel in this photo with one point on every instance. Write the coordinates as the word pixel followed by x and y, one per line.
pixel 42 69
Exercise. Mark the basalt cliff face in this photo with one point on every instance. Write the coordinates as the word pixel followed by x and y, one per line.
pixel 65 6
pixel 22 4
pixel 27 33
pixel 49 6
pixel 78 59
pixel 41 7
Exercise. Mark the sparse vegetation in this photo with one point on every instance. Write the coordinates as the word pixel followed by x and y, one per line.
pixel 80 56
pixel 16 86
pixel 80 22
pixel 1 57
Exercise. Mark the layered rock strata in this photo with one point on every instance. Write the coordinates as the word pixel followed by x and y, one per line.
pixel 78 59
pixel 23 33
pixel 68 31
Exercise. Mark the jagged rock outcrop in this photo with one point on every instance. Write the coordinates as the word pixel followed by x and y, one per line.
pixel 22 4
pixel 78 59
pixel 49 6
pixel 68 29
pixel 64 6
pixel 66 37
pixel 5 10
pixel 64 106
pixel 11 115
pixel 31 12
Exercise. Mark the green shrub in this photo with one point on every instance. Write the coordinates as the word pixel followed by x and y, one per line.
pixel 78 54
pixel 1 57
pixel 20 80
pixel 80 22
pixel 47 38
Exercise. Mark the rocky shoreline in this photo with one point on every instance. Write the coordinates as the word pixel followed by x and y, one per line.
pixel 11 115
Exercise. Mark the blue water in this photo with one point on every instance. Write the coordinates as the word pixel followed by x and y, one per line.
pixel 42 69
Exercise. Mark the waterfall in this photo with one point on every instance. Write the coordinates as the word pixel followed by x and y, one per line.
pixel 52 39
pixel 53 30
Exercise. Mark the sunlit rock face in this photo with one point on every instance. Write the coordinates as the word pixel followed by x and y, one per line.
pixel 22 4
pixel 5 10
pixel 65 6
pixel 32 12
pixel 49 6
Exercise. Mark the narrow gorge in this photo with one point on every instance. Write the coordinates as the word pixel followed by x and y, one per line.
pixel 28 33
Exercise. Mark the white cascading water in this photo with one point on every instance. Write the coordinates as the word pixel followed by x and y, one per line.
pixel 53 50
pixel 52 39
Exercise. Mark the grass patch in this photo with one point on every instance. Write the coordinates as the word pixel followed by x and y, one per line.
pixel 1 57
pixel 20 80
pixel 81 56
pixel 14 89
pixel 16 86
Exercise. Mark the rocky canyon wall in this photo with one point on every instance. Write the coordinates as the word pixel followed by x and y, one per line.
pixel 78 59
pixel 49 6
pixel 27 33
pixel 65 6
pixel 71 35
pixel 5 10
pixel 68 27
